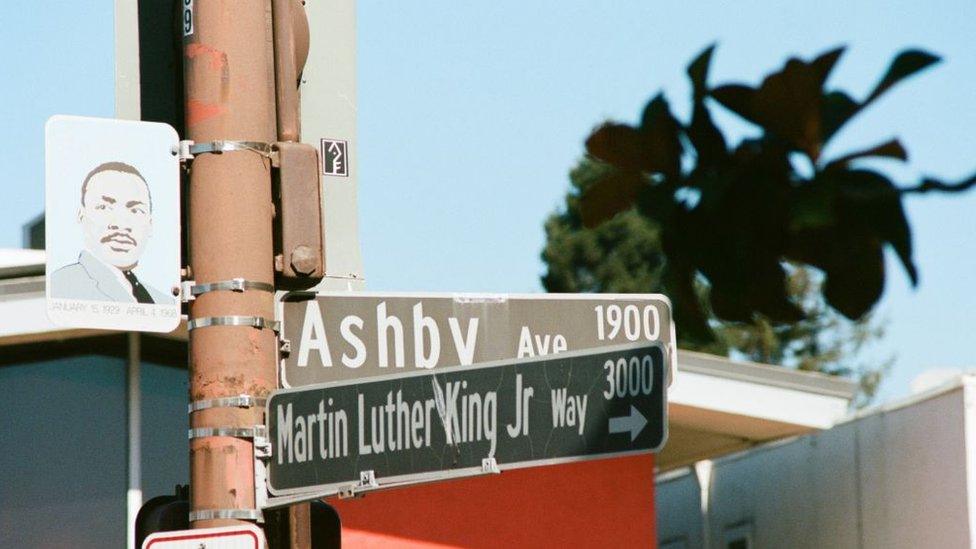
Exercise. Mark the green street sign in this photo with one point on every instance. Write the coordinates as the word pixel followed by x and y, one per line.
pixel 427 425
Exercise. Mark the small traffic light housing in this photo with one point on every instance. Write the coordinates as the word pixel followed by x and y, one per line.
pixel 291 43
pixel 325 530
pixel 297 187
pixel 163 514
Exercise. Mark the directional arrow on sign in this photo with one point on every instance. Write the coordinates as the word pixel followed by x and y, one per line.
pixel 634 423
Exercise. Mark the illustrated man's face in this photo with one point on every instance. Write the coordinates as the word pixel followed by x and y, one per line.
pixel 116 218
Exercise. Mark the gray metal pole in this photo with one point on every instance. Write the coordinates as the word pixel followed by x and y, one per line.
pixel 134 414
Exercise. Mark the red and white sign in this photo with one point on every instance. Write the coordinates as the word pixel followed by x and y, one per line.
pixel 233 537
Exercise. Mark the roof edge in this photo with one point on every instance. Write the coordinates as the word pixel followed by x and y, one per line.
pixel 765 374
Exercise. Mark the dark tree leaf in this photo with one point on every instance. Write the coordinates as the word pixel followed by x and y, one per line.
pixel 729 304
pixel 708 141
pixel 688 316
pixel 738 98
pixel 654 147
pixel 679 283
pixel 888 149
pixel 698 71
pixel 836 110
pixel 659 130
pixel 861 209
pixel 737 240
pixel 614 193
pixel 839 107
pixel 855 285
pixel 824 63
pixel 905 64
pixel 931 184
pixel 870 204
pixel 812 207
pixel 769 293
pixel 788 105
pixel 764 293
pixel 657 203
pixel 619 145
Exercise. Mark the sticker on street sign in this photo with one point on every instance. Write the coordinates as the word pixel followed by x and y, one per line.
pixel 416 425
pixel 187 17
pixel 335 157
pixel 341 335
pixel 112 223
pixel 245 536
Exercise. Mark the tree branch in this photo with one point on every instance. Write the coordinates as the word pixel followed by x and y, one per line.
pixel 929 184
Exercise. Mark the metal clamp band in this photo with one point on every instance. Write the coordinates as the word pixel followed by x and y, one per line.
pixel 252 321
pixel 237 432
pixel 225 145
pixel 239 401
pixel 182 150
pixel 234 285
pixel 239 514
pixel 192 289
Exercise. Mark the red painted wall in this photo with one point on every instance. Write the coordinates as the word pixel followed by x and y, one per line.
pixel 601 503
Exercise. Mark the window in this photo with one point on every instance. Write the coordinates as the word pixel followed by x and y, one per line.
pixel 679 542
pixel 738 535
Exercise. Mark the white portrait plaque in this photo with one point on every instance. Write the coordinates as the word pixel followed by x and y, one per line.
pixel 112 222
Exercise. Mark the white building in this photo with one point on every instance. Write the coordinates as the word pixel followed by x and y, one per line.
pixel 89 420
pixel 896 476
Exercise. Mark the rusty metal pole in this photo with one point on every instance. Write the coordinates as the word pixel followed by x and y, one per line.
pixel 230 95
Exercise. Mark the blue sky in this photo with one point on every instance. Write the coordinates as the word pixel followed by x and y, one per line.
pixel 471 115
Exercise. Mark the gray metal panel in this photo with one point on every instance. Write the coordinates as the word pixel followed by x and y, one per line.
pixel 913 475
pixel 677 504
pixel 127 59
pixel 329 104
pixel 796 495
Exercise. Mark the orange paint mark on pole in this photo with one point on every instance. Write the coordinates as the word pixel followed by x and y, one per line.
pixel 217 58
pixel 198 111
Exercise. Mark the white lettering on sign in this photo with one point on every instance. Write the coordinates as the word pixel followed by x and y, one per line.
pixel 345 328
pixel 299 436
pixel 633 377
pixel 568 410
pixel 464 345
pixel 630 322
pixel 313 337
pixel 187 17
pixel 538 345
pixel 395 425
pixel 423 324
pixel 522 396
pixel 389 336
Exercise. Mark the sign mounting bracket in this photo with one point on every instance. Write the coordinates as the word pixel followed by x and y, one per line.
pixel 368 483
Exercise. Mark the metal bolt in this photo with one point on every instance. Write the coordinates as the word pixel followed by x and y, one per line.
pixel 304 260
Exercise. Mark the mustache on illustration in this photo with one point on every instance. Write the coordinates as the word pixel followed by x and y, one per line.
pixel 118 237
